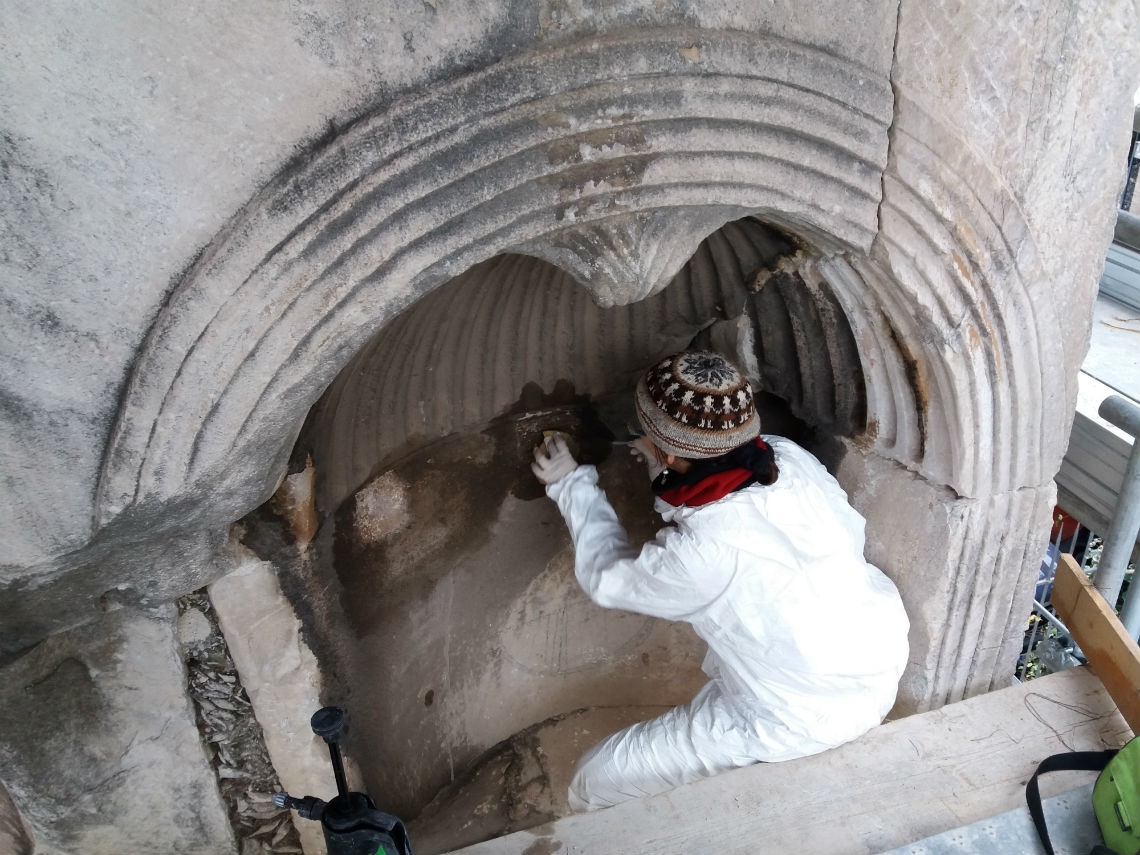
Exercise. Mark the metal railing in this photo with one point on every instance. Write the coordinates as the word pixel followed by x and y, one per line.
pixel 1121 538
pixel 1107 569
pixel 1048 644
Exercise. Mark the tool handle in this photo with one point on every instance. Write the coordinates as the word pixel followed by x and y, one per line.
pixel 327 723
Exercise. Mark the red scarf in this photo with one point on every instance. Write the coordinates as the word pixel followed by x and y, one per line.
pixel 725 475
pixel 709 490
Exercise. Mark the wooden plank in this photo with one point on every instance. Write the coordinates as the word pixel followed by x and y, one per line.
pixel 1095 627
pixel 899 783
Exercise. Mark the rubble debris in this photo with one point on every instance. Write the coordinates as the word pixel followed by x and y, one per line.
pixel 232 736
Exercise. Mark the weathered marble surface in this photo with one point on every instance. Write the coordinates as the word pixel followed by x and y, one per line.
pixel 134 133
pixel 108 209
pixel 98 745
pixel 207 211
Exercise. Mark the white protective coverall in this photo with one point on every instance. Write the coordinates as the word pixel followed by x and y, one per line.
pixel 806 640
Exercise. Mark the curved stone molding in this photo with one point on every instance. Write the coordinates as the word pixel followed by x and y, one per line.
pixel 895 414
pixel 400 202
pixel 952 337
pixel 964 567
pixel 957 245
pixel 981 634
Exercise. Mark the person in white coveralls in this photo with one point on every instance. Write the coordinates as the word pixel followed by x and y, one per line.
pixel 763 556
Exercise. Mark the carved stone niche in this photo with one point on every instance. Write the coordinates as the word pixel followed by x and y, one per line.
pixel 921 283
pixel 435 579
pixel 924 310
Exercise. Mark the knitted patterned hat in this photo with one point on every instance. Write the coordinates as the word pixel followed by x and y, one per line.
pixel 695 405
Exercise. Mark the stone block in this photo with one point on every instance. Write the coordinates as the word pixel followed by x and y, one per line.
pixel 282 678
pixel 138 565
pixel 99 746
pixel 959 564
pixel 1042 94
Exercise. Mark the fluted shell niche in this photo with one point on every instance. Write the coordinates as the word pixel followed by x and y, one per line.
pixel 470 351
pixel 876 276
pixel 457 620
pixel 893 213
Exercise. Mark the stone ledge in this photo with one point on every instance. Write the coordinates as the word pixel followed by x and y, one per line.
pixel 901 782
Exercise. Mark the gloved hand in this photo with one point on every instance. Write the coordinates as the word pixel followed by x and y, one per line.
pixel 553 460
pixel 647 454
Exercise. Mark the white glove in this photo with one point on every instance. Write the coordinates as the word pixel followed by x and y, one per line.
pixel 643 451
pixel 556 463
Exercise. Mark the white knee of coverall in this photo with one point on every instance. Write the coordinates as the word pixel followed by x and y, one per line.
pixel 689 742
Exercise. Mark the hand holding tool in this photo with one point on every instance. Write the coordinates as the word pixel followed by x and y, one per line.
pixel 553 460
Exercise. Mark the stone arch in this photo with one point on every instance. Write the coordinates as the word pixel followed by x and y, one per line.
pixel 602 155
pixel 613 158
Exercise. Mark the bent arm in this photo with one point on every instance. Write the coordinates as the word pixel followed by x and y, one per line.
pixel 652 580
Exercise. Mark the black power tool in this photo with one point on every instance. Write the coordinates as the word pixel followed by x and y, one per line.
pixel 351 822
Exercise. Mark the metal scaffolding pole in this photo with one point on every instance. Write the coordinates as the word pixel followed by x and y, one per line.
pixel 1121 536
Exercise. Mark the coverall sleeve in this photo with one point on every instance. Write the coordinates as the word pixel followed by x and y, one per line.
pixel 653 580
